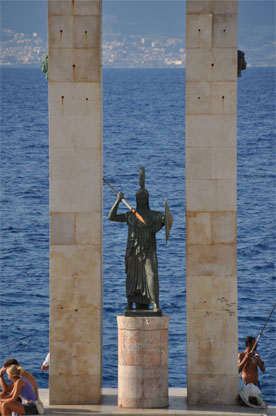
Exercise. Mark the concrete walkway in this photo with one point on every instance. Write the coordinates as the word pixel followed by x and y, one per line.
pixel 177 406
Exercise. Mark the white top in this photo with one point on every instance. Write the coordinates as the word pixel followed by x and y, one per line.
pixel 46 362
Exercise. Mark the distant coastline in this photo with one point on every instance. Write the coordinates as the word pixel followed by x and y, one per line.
pixel 38 65
pixel 129 51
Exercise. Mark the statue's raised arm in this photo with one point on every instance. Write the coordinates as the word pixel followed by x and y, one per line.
pixel 113 216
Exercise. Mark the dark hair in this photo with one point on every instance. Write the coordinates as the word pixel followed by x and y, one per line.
pixel 249 341
pixel 10 361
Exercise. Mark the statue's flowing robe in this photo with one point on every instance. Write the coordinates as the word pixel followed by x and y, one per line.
pixel 141 258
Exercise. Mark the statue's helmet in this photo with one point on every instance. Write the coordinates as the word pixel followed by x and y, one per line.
pixel 142 193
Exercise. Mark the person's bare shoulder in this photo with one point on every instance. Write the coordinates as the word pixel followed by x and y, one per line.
pixel 241 355
pixel 29 376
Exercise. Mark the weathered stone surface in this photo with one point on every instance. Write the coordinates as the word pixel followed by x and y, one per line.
pixel 71 195
pixel 211 130
pixel 211 318
pixel 88 7
pixel 74 293
pixel 224 98
pixel 143 387
pixel 86 31
pixel 211 201
pixel 209 354
pixel 205 293
pixel 73 260
pixel 212 6
pixel 211 162
pixel 74 99
pixel 75 180
pixel 212 64
pixel 76 325
pixel 88 228
pixel 73 163
pixel 198 225
pixel 227 195
pixel 70 357
pixel 211 195
pixel 60 31
pixel 211 97
pixel 224 227
pixel 225 31
pixel 201 195
pixel 199 31
pixel 136 348
pixel 198 97
pixel 74 65
pixel 224 163
pixel 144 324
pixel 63 389
pixel 62 227
pixel 76 7
pixel 212 388
pixel 198 162
pixel 211 260
pixel 59 8
pixel 211 227
pixel 143 362
pixel 75 130
pixel 68 32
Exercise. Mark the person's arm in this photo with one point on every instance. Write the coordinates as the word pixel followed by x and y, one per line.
pixel 243 358
pixel 113 216
pixel 4 386
pixel 46 363
pixel 15 392
pixel 260 363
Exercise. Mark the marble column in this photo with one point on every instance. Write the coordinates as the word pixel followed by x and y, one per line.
pixel 75 130
pixel 211 201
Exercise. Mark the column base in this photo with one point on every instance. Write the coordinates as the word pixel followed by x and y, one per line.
pixel 143 361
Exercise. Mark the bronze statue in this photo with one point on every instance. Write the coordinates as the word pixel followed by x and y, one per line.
pixel 241 62
pixel 141 264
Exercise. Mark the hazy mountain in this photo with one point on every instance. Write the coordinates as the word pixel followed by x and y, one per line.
pixel 136 50
pixel 20 48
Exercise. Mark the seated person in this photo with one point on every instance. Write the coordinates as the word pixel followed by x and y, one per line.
pixel 20 387
pixel 249 363
pixel 6 388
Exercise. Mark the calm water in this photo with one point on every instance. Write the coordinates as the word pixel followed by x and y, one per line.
pixel 144 125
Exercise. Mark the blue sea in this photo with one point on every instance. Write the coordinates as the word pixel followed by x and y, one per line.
pixel 143 125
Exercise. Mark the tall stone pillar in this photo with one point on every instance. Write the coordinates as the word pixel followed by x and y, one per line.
pixel 75 128
pixel 211 116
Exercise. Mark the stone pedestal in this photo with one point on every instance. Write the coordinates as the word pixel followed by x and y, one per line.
pixel 143 361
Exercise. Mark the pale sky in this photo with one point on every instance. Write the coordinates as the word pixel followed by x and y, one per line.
pixel 161 17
